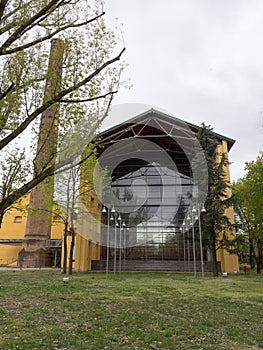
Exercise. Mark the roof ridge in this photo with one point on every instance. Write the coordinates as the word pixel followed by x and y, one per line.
pixel 158 112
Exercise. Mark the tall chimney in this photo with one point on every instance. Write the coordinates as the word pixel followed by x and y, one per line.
pixel 38 229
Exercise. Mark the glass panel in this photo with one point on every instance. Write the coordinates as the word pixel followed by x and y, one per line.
pixel 151 234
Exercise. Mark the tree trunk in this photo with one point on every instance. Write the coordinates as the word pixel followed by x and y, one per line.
pixel 72 245
pixel 213 249
pixel 251 254
pixel 214 259
pixel 260 256
pixel 1 218
pixel 65 248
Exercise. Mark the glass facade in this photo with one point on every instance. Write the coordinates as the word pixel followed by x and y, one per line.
pixel 150 208
pixel 162 194
pixel 151 185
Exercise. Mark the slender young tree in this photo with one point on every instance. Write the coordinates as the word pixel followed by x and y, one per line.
pixel 73 190
pixel 91 71
pixel 67 198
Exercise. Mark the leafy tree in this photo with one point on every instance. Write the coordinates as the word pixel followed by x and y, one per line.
pixel 90 78
pixel 249 208
pixel 215 222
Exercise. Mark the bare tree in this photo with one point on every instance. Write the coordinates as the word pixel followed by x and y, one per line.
pixel 73 189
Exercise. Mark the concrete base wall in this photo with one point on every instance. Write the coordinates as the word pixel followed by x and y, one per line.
pixel 153 265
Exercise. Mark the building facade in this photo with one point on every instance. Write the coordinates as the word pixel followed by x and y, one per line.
pixel 144 221
pixel 142 211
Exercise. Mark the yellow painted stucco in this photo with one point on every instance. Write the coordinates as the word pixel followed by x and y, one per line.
pixel 13 228
pixel 88 233
pixel 229 262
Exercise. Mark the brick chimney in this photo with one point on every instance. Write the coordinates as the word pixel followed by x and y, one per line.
pixel 38 229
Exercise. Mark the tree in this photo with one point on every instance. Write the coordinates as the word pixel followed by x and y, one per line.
pixel 13 169
pixel 249 208
pixel 90 78
pixel 73 190
pixel 67 211
pixel 215 223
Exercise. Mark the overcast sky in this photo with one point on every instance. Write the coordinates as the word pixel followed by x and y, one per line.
pixel 200 60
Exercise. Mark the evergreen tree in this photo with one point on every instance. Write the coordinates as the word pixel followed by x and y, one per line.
pixel 215 222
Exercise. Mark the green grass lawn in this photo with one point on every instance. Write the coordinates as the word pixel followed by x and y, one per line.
pixel 141 311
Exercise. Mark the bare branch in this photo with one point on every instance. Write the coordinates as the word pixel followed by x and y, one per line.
pixel 5 141
pixel 10 88
pixel 89 99
pixel 4 118
pixel 6 28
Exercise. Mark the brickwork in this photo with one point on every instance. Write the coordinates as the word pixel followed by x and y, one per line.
pixel 38 228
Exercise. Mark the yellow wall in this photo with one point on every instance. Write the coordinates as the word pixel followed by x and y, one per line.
pixel 88 226
pixel 16 230
pixel 9 254
pixel 10 228
pixel 88 236
pixel 229 262
pixel 87 242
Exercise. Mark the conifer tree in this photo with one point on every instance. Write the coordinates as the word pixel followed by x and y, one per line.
pixel 215 223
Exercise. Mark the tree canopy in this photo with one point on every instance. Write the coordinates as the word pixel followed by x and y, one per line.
pixel 249 208
pixel 91 69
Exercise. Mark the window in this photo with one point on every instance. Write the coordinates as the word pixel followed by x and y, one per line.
pixel 18 219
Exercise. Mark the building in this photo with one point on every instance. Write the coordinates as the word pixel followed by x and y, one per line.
pixel 142 219
pixel 156 184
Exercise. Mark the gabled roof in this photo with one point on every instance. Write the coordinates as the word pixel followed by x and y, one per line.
pixel 162 115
